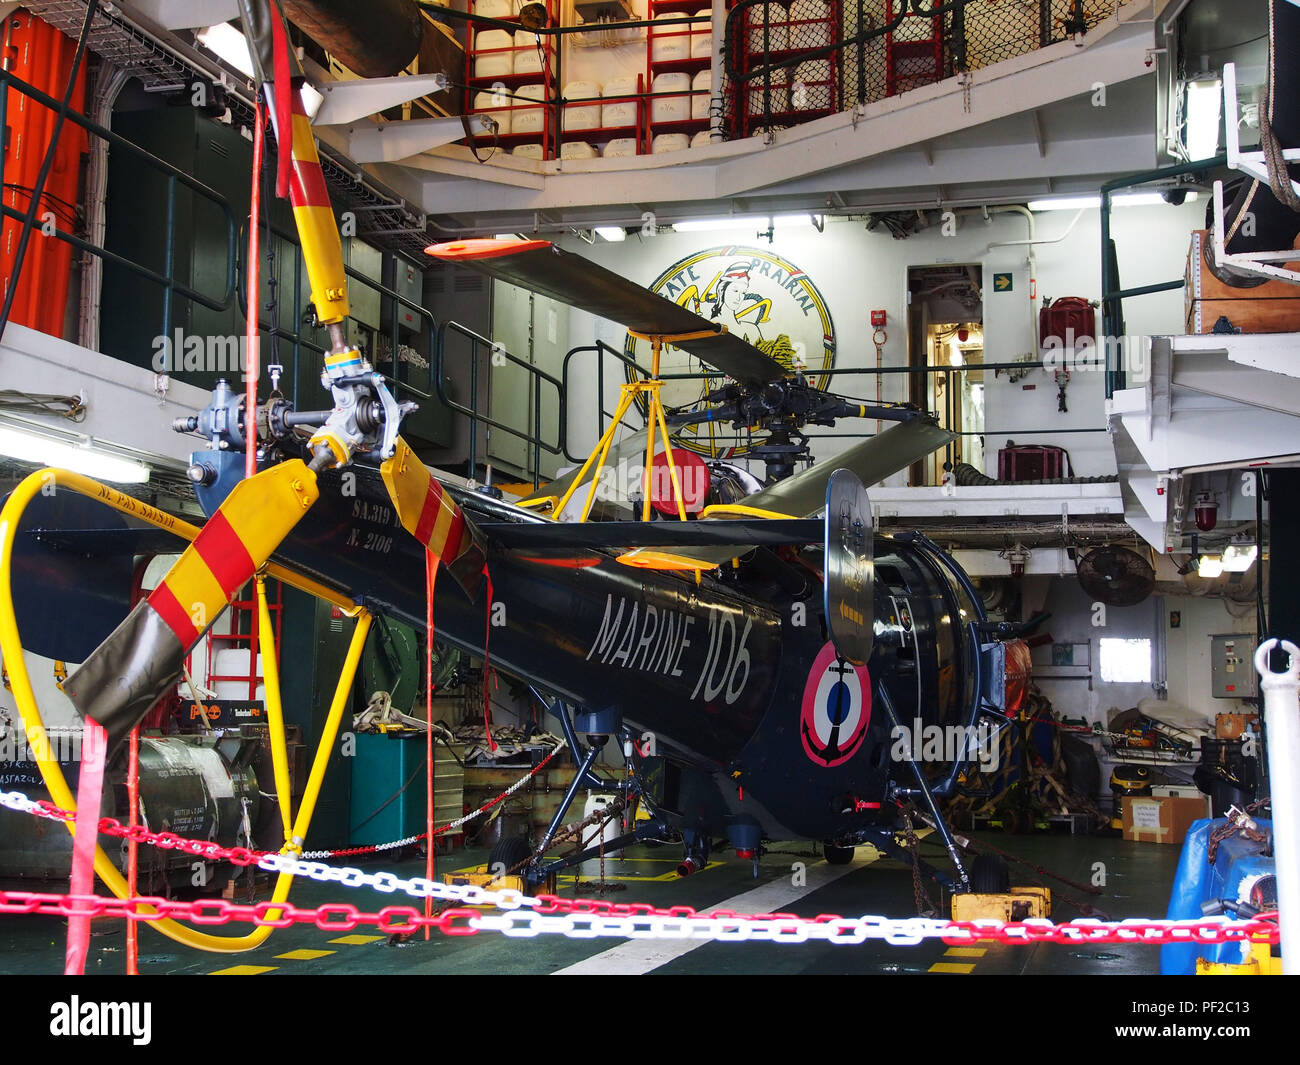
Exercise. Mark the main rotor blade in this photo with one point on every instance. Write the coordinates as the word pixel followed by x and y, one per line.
pixel 538 265
pixel 429 514
pixel 872 460
pixel 143 657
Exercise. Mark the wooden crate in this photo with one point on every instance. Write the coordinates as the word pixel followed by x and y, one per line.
pixel 1273 307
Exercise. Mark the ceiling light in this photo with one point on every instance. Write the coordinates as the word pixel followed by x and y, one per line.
pixel 1237 558
pixel 228 44
pixel 613 234
pixel 1122 199
pixel 87 460
pixel 1204 105
pixel 707 225
pixel 1209 566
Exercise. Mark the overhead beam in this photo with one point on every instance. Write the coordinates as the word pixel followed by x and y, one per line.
pixel 186 14
pixel 395 141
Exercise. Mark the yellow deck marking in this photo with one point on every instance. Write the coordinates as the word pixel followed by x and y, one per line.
pixel 662 878
pixel 244 970
pixel 305 955
pixel 966 952
pixel 952 967
pixel 357 941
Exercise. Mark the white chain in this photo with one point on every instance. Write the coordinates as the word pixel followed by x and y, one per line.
pixel 518 919
pixel 458 822
pixel 16 800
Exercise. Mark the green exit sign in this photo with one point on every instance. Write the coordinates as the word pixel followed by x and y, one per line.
pixel 1001 282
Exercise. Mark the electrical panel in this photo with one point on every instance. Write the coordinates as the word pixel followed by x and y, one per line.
pixel 1232 666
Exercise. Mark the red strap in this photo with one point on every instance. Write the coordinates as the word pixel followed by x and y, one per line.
pixel 284 90
pixel 487 660
pixel 430 578
pixel 90 788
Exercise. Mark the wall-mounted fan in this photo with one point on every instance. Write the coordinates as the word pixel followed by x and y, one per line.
pixel 1116 576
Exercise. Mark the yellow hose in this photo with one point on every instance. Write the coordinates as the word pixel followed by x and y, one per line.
pixel 12 650
pixel 274 709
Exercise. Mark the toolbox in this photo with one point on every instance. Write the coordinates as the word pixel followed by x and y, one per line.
pixel 1032 462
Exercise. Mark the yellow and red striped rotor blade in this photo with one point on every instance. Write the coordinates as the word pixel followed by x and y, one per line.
pixel 132 669
pixel 429 514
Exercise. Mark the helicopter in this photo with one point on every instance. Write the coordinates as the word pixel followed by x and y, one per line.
pixel 772 654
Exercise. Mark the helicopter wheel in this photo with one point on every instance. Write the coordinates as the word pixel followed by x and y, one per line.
pixel 508 853
pixel 838 855
pixel 989 875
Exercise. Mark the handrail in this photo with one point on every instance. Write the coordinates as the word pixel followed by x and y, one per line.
pixel 477 340
pixel 601 349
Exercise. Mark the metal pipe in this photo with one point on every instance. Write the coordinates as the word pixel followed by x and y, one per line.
pixel 1282 727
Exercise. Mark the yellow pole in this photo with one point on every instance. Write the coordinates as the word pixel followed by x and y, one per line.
pixel 274 707
pixel 668 454
pixel 342 694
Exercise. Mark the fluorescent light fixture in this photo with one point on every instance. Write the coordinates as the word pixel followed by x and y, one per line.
pixel 1204 105
pixel 708 225
pixel 1122 199
pixel 45 451
pixel 955 357
pixel 228 44
pixel 1237 558
pixel 1210 566
pixel 1064 203
pixel 613 234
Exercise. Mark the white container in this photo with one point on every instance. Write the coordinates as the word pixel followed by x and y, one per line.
pixel 599 804
pixel 494 64
pixel 701 45
pixel 701 86
pixel 487 101
pixel 701 139
pixel 814 76
pixel 529 59
pixel 670 48
pixel 669 142
pixel 577 150
pixel 528 119
pixel 622 113
pixel 620 147
pixel 494 8
pixel 529 151
pixel 671 108
pixel 776 20
pixel 586 116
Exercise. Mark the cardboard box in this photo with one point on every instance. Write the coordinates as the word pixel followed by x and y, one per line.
pixel 1160 820
pixel 1233 726
pixel 1273 307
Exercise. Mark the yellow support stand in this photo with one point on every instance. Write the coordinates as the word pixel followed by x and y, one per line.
pixel 656 424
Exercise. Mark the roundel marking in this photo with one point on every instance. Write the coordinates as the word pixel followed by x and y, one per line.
pixel 836 709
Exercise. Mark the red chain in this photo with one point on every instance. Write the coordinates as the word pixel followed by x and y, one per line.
pixel 332 917
pixel 342 917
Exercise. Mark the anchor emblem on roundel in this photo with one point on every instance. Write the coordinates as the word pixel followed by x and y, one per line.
pixel 836 709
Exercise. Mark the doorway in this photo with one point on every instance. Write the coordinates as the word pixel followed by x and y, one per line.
pixel 945 348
